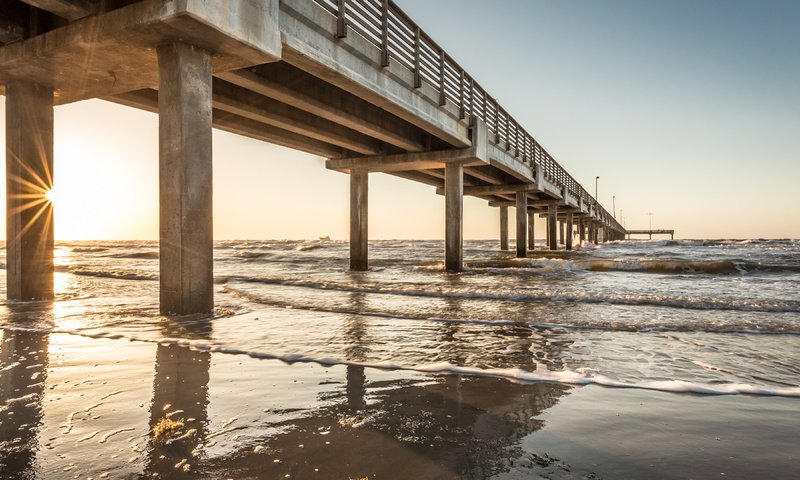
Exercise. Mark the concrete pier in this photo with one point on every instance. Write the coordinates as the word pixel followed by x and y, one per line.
pixel 29 176
pixel 285 72
pixel 454 216
pixel 569 231
pixel 522 224
pixel 503 228
pixel 581 230
pixel 531 238
pixel 359 213
pixel 186 229
pixel 561 232
pixel 552 227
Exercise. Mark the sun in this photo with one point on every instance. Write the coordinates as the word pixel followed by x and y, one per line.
pixel 51 195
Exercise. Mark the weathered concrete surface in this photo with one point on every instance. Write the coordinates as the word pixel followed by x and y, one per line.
pixel 115 52
pixel 552 227
pixel 570 232
pixel 454 217
pixel 359 215
pixel 522 224
pixel 185 182
pixel 581 230
pixel 531 238
pixel 29 176
pixel 503 228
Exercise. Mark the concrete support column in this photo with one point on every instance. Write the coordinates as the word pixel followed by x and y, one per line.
pixel 454 217
pixel 503 228
pixel 522 224
pixel 552 227
pixel 531 238
pixel 561 232
pixel 186 226
pixel 359 213
pixel 29 176
pixel 581 230
pixel 569 231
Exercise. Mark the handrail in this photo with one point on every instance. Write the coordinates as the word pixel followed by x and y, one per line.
pixel 385 25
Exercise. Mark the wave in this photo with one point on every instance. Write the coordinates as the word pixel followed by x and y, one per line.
pixel 572 296
pixel 616 326
pixel 139 255
pixel 580 376
pixel 660 266
pixel 115 274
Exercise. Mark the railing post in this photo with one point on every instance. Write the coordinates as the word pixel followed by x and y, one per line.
pixel 385 33
pixel 462 110
pixel 417 73
pixel 496 122
pixel 442 96
pixel 341 25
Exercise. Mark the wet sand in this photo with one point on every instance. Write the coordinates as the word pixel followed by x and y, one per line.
pixel 77 407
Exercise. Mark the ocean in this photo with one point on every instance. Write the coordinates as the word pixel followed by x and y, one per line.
pixel 631 359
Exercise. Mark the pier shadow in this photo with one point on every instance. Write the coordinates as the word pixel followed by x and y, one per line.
pixel 24 359
pixel 179 409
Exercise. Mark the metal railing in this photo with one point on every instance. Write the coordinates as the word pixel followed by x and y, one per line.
pixel 387 27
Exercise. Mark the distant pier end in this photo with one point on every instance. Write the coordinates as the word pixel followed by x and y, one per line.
pixel 650 233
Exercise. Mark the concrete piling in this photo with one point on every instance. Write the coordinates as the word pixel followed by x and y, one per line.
pixel 569 231
pixel 503 228
pixel 552 227
pixel 29 176
pixel 522 224
pixel 185 179
pixel 454 216
pixel 531 238
pixel 359 213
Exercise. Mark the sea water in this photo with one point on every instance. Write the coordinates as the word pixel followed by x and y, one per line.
pixel 300 348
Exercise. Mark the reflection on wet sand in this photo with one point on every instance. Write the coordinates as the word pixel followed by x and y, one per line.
pixel 450 427
pixel 23 373
pixel 179 410
pixel 364 422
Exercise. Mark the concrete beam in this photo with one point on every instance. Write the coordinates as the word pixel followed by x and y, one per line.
pixel 69 9
pixel 503 228
pixel 407 161
pixel 147 99
pixel 522 224
pixel 289 85
pixel 359 215
pixel 186 226
pixel 115 52
pixel 245 103
pixel 454 217
pixel 29 176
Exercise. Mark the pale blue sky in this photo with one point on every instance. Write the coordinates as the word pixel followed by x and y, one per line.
pixel 687 109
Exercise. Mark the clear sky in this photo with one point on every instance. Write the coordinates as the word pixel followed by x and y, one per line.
pixel 686 109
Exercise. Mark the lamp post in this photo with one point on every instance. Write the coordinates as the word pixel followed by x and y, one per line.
pixel 650 221
pixel 614 205
pixel 595 187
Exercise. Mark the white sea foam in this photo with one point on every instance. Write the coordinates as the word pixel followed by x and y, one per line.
pixel 586 376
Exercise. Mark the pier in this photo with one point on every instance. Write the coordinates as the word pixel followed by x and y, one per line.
pixel 354 81
pixel 651 232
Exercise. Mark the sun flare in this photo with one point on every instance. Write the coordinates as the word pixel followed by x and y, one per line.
pixel 51 196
